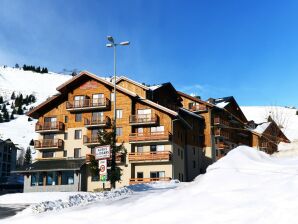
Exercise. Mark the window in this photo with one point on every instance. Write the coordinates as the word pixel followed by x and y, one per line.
pixel 79 101
pixel 78 134
pixel 158 148
pixel 112 97
pixel 118 131
pixel 78 117
pixel 34 179
pixel 94 177
pixel 140 175
pixel 47 154
pixel 52 178
pixel 97 99
pixel 65 136
pixel 193 164
pixel 67 177
pixel 65 119
pixel 118 113
pixel 77 153
pixel 139 148
pixel 152 148
pixel 157 174
pixel 97 116
pixel 64 153
pixel 157 129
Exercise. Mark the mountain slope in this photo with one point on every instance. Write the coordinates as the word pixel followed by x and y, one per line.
pixel 20 130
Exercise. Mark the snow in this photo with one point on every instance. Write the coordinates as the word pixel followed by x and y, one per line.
pixel 246 186
pixel 19 130
pixel 262 127
pixel 222 104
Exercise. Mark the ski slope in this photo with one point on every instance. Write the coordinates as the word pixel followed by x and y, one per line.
pixel 246 186
pixel 19 130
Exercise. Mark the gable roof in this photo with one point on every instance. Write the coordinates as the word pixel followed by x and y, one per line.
pixel 195 99
pixel 132 81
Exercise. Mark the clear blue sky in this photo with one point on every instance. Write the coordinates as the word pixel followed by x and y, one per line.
pixel 247 48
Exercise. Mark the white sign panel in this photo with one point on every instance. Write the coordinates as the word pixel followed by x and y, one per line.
pixel 102 165
pixel 102 152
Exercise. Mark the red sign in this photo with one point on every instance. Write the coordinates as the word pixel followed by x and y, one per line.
pixel 89 85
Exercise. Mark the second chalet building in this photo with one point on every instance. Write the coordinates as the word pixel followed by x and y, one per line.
pixel 167 134
pixel 163 140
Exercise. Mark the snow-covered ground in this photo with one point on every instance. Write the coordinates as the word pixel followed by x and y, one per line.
pixel 19 130
pixel 246 186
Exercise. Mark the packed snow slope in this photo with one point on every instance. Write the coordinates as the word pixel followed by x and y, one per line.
pixel 19 130
pixel 246 186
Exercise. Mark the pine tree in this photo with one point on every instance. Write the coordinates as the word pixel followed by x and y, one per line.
pixel 13 96
pixel 17 65
pixel 4 108
pixel 1 99
pixel 31 142
pixel 38 69
pixel 6 116
pixel 20 111
pixel 28 157
pixel 1 118
pixel 12 115
pixel 109 138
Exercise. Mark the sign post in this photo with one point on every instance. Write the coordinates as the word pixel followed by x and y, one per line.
pixel 102 152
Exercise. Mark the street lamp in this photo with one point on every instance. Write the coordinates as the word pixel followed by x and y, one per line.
pixel 114 45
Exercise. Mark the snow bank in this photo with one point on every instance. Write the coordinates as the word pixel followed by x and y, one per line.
pixel 80 200
pixel 246 186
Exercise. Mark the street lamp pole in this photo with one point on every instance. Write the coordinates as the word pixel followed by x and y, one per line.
pixel 113 165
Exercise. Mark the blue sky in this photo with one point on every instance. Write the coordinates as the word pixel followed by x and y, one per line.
pixel 247 48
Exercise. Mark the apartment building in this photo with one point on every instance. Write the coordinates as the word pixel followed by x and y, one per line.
pixel 225 125
pixel 163 140
pixel 266 136
pixel 8 157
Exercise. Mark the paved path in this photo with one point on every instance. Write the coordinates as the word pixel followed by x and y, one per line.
pixel 7 210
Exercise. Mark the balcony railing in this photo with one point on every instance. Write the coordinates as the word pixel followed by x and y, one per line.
pixel 90 140
pixel 221 133
pixel 264 145
pixel 87 104
pixel 220 121
pixel 49 144
pixel 222 146
pixel 198 107
pixel 49 127
pixel 147 180
pixel 150 156
pixel 97 122
pixel 141 119
pixel 150 137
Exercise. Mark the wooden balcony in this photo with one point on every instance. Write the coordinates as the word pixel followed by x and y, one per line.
pixel 220 121
pixel 49 127
pixel 150 137
pixel 150 156
pixel 198 107
pixel 264 145
pixel 49 144
pixel 220 133
pixel 143 119
pixel 90 140
pixel 87 104
pixel 97 122
pixel 147 180
pixel 222 146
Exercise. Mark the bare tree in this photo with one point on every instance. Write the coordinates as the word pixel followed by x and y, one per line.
pixel 279 115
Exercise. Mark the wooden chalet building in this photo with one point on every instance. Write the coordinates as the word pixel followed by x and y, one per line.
pixel 163 140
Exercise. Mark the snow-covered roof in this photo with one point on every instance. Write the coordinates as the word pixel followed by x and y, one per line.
pixel 222 104
pixel 154 87
pixel 191 113
pixel 262 127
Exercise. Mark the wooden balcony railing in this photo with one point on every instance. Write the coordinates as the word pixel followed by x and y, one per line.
pixel 97 122
pixel 49 127
pixel 222 145
pixel 148 137
pixel 143 119
pixel 264 145
pixel 220 121
pixel 90 140
pixel 150 156
pixel 198 107
pixel 87 104
pixel 221 133
pixel 147 180
pixel 49 144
